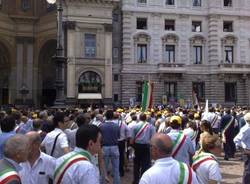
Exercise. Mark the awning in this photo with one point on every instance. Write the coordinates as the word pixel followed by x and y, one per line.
pixel 89 96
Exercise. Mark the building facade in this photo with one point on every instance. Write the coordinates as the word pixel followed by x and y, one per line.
pixel 186 47
pixel 28 31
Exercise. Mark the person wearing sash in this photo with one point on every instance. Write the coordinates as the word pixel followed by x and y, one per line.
pixel 166 169
pixel 77 166
pixel 192 132
pixel 16 150
pixel 228 133
pixel 142 132
pixel 205 163
pixel 242 142
pixel 183 149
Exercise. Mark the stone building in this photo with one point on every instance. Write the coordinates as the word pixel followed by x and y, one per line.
pixel 186 47
pixel 28 31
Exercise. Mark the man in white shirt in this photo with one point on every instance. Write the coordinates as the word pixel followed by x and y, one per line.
pixel 56 142
pixel 77 167
pixel 166 169
pixel 40 166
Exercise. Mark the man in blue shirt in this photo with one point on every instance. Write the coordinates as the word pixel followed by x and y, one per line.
pixel 7 126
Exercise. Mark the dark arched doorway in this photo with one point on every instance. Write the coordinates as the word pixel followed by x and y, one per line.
pixel 4 74
pixel 47 73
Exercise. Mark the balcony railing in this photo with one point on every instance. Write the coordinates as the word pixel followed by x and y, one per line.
pixel 171 67
pixel 234 68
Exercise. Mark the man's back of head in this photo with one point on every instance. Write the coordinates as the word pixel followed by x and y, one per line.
pixel 8 124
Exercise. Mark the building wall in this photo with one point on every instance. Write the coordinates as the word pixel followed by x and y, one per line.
pixel 213 71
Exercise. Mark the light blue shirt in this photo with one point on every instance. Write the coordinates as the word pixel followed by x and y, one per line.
pixel 3 138
pixel 146 135
pixel 186 151
pixel 243 138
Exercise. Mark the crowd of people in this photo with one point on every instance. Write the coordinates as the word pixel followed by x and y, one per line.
pixel 92 146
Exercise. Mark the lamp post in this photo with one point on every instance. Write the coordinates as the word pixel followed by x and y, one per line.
pixel 59 58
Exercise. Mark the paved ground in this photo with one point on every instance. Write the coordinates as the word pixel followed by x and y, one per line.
pixel 232 171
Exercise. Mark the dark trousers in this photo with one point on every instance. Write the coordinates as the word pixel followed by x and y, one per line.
pixel 142 160
pixel 121 145
pixel 246 174
pixel 229 148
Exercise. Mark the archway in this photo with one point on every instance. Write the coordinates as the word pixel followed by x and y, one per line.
pixel 5 74
pixel 47 74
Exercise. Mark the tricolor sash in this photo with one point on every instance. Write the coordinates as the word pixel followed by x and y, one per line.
pixel 140 130
pixel 7 175
pixel 60 171
pixel 201 158
pixel 214 120
pixel 226 128
pixel 178 143
pixel 185 176
pixel 194 136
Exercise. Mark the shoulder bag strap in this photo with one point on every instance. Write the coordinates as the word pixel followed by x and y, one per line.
pixel 54 145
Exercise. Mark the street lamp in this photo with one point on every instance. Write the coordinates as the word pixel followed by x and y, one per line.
pixel 59 58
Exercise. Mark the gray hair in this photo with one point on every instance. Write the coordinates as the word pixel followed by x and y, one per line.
pixel 15 145
pixel 167 150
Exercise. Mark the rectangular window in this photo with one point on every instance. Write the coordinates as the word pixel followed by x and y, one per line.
pixel 169 2
pixel 228 3
pixel 115 52
pixel 142 1
pixel 229 54
pixel 170 89
pixel 116 97
pixel 170 53
pixel 90 45
pixel 230 92
pixel 199 90
pixel 139 85
pixel 169 25
pixel 141 23
pixel 115 17
pixel 141 53
pixel 196 26
pixel 227 26
pixel 116 77
pixel 196 2
pixel 197 52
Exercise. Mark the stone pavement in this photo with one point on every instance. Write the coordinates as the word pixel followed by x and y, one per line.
pixel 231 170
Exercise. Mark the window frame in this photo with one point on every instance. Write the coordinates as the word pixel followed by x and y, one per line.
pixel 229 30
pixel 199 5
pixel 229 5
pixel 167 2
pixel 170 21
pixel 227 51
pixel 168 59
pixel 167 90
pixel 139 88
pixel 194 26
pixel 233 96
pixel 89 47
pixel 196 86
pixel 142 18
pixel 195 54
pixel 139 59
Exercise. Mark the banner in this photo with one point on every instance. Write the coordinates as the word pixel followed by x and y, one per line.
pixel 147 95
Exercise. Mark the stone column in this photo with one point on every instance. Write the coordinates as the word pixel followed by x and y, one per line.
pixel 19 68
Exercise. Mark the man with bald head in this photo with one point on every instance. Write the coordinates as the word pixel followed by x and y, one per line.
pixel 15 151
pixel 166 169
pixel 40 166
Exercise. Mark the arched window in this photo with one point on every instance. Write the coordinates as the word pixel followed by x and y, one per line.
pixel 90 82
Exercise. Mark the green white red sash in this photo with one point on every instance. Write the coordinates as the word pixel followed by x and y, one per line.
pixel 140 130
pixel 7 175
pixel 185 176
pixel 178 143
pixel 201 158
pixel 226 128
pixel 60 171
pixel 194 136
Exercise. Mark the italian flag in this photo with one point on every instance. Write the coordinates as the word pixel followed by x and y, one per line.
pixel 147 95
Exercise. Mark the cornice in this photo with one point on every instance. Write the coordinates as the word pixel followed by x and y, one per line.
pixel 24 19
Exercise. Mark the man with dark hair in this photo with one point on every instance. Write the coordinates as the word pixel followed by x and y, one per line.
pixel 77 166
pixel 110 135
pixel 56 142
pixel 7 126
pixel 16 150
pixel 166 169
pixel 142 132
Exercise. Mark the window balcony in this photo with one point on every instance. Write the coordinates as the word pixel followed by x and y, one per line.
pixel 234 68
pixel 178 68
